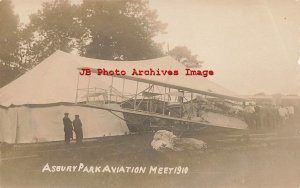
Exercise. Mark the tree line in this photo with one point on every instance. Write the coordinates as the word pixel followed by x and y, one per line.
pixel 101 29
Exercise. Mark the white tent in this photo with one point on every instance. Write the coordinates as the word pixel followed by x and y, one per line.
pixel 33 105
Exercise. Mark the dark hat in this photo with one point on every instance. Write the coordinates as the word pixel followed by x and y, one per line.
pixel 76 115
pixel 66 113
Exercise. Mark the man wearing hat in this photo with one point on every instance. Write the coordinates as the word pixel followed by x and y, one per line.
pixel 78 129
pixel 68 128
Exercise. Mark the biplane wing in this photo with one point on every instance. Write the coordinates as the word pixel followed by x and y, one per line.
pixel 240 125
pixel 163 84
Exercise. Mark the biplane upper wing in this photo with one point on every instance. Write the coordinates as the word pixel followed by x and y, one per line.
pixel 139 79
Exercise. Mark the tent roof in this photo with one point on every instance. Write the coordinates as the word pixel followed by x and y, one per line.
pixel 55 79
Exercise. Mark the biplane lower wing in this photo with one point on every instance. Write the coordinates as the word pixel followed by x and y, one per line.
pixel 242 126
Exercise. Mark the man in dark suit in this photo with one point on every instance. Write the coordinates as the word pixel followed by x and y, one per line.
pixel 68 128
pixel 78 129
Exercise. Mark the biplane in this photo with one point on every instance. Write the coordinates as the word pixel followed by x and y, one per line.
pixel 149 103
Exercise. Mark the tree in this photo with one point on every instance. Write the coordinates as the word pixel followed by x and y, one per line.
pixel 97 29
pixel 54 27
pixel 184 55
pixel 9 42
pixel 120 30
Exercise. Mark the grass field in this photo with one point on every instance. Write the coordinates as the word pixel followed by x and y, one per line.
pixel 269 159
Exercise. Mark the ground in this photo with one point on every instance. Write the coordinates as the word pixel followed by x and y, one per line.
pixel 268 159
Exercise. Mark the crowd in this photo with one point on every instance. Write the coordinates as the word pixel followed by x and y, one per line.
pixel 261 117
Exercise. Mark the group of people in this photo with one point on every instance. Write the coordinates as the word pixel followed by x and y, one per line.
pixel 268 116
pixel 69 126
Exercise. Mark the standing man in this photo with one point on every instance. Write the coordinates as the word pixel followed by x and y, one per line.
pixel 68 128
pixel 78 129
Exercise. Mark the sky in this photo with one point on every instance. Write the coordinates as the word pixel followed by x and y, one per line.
pixel 252 46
